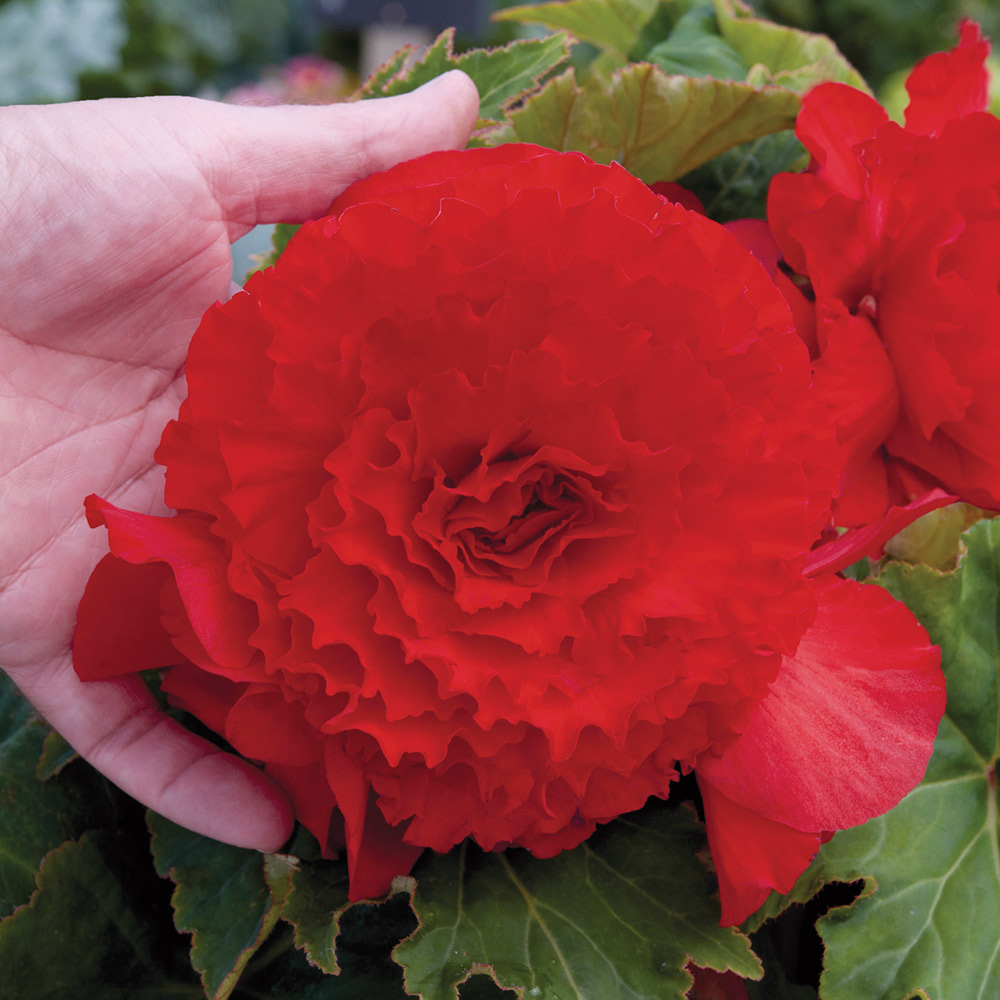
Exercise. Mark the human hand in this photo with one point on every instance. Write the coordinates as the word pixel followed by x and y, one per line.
pixel 118 218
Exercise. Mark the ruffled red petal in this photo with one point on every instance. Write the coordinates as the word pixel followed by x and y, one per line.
pixel 893 227
pixel 948 85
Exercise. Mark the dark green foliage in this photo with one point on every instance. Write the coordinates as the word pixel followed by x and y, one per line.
pixel 882 36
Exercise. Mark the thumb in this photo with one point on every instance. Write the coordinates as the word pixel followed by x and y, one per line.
pixel 286 164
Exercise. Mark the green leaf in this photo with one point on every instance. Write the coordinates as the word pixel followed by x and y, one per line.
pixel 502 75
pixel 658 127
pixel 784 56
pixel 694 48
pixel 611 25
pixel 279 970
pixel 88 932
pixel 620 916
pixel 283 233
pixel 936 538
pixel 734 185
pixel 369 932
pixel 679 37
pixel 36 817
pixel 928 916
pixel 318 890
pixel 393 67
pixel 56 754
pixel 30 824
pixel 222 898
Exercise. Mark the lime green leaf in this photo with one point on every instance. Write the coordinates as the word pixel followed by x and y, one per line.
pixel 318 890
pixel 282 233
pixel 784 56
pixel 36 817
pixel 393 67
pixel 658 127
pixel 222 898
pixel 611 25
pixel 502 75
pixel 929 911
pixel 620 916
pixel 935 538
pixel 87 932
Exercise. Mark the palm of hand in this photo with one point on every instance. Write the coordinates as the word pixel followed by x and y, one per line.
pixel 118 218
pixel 92 340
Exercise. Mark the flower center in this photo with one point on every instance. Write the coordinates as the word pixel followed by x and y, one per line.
pixel 508 531
pixel 508 527
pixel 521 528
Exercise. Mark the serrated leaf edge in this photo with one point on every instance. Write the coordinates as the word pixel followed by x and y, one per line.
pixel 264 929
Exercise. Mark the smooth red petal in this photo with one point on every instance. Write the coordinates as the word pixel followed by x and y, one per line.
pixel 208 697
pixel 948 85
pixel 839 241
pixel 849 723
pixel 221 619
pixel 866 498
pixel 118 629
pixel 973 480
pixel 752 854
pixel 833 120
pixel 376 853
pixel 869 540
pixel 383 856
pixel 313 800
pixel 263 725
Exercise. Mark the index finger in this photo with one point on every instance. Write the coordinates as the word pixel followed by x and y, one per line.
pixel 117 726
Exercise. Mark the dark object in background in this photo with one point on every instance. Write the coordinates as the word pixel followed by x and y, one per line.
pixel 466 15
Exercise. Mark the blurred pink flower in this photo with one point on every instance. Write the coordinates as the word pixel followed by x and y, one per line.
pixel 306 79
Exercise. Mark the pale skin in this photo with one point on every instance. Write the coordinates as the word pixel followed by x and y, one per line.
pixel 117 218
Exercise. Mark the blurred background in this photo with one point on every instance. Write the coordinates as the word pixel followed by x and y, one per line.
pixel 60 50
pixel 278 51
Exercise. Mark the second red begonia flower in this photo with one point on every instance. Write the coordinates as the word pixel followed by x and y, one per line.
pixel 895 230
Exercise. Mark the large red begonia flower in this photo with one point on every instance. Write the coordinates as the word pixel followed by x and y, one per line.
pixel 494 498
pixel 896 230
